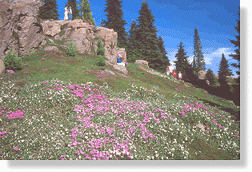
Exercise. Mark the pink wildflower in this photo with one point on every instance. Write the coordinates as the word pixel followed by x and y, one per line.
pixel 182 113
pixel 15 115
pixel 43 59
pixel 214 121
pixel 16 149
pixel 43 82
pixel 10 71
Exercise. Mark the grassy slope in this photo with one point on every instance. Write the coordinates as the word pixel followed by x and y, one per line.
pixel 77 70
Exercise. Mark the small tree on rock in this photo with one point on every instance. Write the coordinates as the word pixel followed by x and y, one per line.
pixel 49 10
pixel 85 11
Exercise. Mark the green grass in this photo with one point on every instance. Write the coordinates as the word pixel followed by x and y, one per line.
pixel 78 70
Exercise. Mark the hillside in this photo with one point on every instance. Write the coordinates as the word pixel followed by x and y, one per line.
pixel 70 100
pixel 60 107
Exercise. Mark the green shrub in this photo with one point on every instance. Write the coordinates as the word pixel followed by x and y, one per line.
pixel 71 49
pixel 100 61
pixel 100 49
pixel 12 61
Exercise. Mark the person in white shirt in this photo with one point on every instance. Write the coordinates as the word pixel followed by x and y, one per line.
pixel 180 76
pixel 169 69
pixel 66 13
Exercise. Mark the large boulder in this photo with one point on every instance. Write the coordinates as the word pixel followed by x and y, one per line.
pixel 202 74
pixel 2 66
pixel 51 49
pixel 121 68
pixel 20 27
pixel 142 62
pixel 85 36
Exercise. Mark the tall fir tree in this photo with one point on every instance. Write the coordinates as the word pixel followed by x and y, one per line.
pixel 224 72
pixel 49 10
pixel 147 39
pixel 236 56
pixel 85 11
pixel 133 52
pixel 164 57
pixel 75 10
pixel 198 54
pixel 115 20
pixel 236 43
pixel 182 64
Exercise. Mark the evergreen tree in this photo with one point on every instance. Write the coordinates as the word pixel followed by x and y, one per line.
pixel 182 64
pixel 164 57
pixel 236 56
pixel 75 10
pixel 85 11
pixel 224 72
pixel 236 43
pixel 147 39
pixel 198 54
pixel 194 66
pixel 211 78
pixel 115 20
pixel 133 52
pixel 49 10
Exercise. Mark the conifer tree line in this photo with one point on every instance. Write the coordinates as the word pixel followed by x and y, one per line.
pixel 143 42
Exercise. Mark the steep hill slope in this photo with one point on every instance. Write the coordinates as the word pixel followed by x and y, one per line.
pixel 61 107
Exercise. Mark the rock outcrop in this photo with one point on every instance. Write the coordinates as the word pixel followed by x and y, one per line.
pixel 2 67
pixel 22 30
pixel 202 74
pixel 85 36
pixel 19 26
pixel 142 62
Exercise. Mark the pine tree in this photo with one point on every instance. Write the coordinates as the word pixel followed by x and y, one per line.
pixel 198 54
pixel 133 52
pixel 75 10
pixel 194 66
pixel 182 64
pixel 211 78
pixel 147 39
pixel 49 10
pixel 224 72
pixel 163 52
pixel 236 56
pixel 85 11
pixel 115 20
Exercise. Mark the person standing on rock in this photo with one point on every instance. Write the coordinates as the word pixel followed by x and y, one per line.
pixel 70 13
pixel 66 13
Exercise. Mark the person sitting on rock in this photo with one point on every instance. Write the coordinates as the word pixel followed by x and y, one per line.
pixel 66 13
pixel 120 60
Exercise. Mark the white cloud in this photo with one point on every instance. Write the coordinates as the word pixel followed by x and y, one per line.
pixel 217 54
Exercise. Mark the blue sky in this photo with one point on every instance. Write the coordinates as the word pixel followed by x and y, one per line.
pixel 176 20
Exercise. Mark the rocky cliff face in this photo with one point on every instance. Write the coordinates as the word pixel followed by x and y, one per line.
pixel 19 26
pixel 22 30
